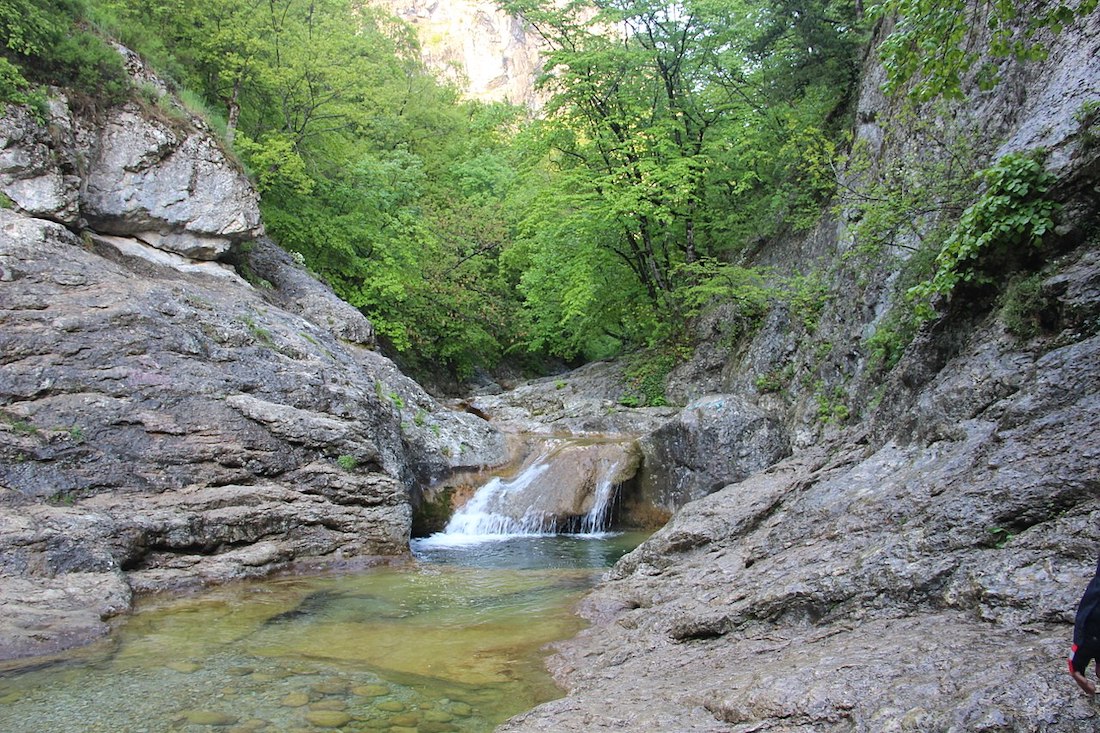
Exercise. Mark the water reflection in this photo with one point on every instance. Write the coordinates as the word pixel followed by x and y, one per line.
pixel 452 643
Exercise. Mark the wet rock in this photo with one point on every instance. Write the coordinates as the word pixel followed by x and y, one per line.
pixel 295 700
pixel 370 690
pixel 184 667
pixel 328 718
pixel 558 491
pixel 211 718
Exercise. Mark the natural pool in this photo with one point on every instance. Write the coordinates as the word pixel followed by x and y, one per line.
pixel 450 643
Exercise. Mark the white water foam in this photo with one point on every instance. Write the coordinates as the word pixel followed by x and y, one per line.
pixel 482 518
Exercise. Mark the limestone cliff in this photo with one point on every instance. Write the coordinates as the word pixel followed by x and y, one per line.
pixel 180 401
pixel 490 54
pixel 911 556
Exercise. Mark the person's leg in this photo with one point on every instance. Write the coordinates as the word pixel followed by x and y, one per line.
pixel 1078 665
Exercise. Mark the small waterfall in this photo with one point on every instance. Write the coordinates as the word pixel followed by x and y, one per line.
pixel 596 518
pixel 481 515
pixel 545 497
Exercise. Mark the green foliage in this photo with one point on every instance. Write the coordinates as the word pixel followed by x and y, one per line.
pixel 347 462
pixel 22 427
pixel 47 42
pixel 832 406
pixel 775 380
pixel 935 44
pixel 1000 536
pixel 699 131
pixel 1013 212
pixel 890 338
pixel 645 375
pixel 742 290
pixel 1087 117
pixel 807 295
pixel 1024 305
pixel 14 88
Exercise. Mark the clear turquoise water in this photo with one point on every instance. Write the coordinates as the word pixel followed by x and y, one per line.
pixel 451 643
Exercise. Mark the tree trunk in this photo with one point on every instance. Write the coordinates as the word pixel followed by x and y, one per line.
pixel 234 112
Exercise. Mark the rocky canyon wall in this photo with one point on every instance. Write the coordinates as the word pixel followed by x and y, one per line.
pixel 911 556
pixel 491 55
pixel 180 401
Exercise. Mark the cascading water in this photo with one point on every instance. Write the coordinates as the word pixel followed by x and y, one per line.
pixel 482 514
pixel 596 518
pixel 568 486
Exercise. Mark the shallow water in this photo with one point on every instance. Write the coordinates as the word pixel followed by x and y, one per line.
pixel 453 643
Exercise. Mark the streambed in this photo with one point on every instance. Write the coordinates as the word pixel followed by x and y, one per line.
pixel 450 643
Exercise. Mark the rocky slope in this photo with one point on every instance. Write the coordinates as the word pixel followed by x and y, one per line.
pixel 911 562
pixel 164 421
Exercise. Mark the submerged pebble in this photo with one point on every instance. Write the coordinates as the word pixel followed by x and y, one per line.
pixel 409 720
pixel 461 709
pixel 184 667
pixel 328 718
pixel 370 690
pixel 295 700
pixel 330 687
pixel 430 726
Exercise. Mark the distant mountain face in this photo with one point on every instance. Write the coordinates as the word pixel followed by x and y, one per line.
pixel 492 55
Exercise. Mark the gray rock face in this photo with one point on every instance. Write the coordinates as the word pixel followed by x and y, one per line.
pixel 714 441
pixel 38 178
pixel 859 588
pixel 584 401
pixel 163 427
pixel 173 189
pixel 165 181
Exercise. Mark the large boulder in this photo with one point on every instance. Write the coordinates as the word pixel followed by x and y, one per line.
pixel 170 186
pixel 715 440
pixel 151 171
